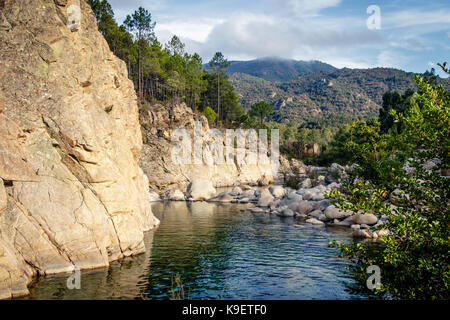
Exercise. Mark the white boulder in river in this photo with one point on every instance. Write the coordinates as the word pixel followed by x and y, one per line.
pixel 277 191
pixel 265 198
pixel 174 195
pixel 334 213
pixel 367 218
pixel 153 196
pixel 200 190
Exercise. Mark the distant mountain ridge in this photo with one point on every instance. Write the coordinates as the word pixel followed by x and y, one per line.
pixel 276 69
pixel 323 97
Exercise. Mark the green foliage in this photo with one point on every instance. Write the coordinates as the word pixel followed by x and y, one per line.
pixel 166 73
pixel 392 100
pixel 261 111
pixel 210 115
pixel 414 258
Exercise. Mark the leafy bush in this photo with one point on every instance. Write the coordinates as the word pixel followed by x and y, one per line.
pixel 414 257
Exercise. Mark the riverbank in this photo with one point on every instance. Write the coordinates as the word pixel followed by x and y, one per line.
pixel 307 204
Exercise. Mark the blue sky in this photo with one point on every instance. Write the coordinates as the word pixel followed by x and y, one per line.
pixel 413 35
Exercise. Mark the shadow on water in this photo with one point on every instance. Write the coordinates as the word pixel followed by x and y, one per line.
pixel 220 252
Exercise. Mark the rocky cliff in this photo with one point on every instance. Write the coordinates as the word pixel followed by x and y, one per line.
pixel 71 190
pixel 158 123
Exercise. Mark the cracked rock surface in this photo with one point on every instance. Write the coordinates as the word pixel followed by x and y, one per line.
pixel 71 190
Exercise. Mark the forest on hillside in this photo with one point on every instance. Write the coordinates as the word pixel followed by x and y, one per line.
pixel 166 72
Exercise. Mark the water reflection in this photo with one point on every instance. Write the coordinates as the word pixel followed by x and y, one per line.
pixel 120 281
pixel 220 252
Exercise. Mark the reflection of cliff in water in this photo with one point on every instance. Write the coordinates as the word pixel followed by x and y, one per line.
pixel 193 243
pixel 119 281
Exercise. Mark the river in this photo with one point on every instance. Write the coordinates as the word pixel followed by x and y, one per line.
pixel 219 252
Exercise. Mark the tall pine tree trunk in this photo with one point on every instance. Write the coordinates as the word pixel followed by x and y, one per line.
pixel 218 98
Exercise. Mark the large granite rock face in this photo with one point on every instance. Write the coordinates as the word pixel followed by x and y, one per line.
pixel 158 123
pixel 71 190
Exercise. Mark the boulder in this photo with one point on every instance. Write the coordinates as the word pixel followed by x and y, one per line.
pixel 315 214
pixel 308 195
pixel 334 213
pixel 223 197
pixel 383 232
pixel 321 205
pixel 236 191
pixel 293 206
pixel 297 166
pixel 294 196
pixel 337 171
pixel 244 200
pixel 286 213
pixel 304 207
pixel 314 221
pixel 275 204
pixel 174 195
pixel 200 190
pixel 334 185
pixel 367 218
pixel 277 191
pixel 362 233
pixel 248 193
pixel 153 197
pixel 318 197
pixel 265 180
pixel 305 184
pixel 265 198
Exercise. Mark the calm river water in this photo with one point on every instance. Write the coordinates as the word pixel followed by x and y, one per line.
pixel 219 252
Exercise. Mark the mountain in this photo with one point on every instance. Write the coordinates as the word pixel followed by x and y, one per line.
pixel 323 97
pixel 277 69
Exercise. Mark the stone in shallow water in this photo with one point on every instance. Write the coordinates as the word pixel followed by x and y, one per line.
pixel 153 196
pixel 236 191
pixel 334 213
pixel 277 191
pixel 174 195
pixel 285 213
pixel 304 207
pixel 362 233
pixel 265 199
pixel 314 221
pixel 367 218
pixel 200 190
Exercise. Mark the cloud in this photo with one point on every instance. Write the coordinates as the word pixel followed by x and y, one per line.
pixel 311 8
pixel 391 59
pixel 302 29
pixel 260 35
pixel 410 43
pixel 197 30
pixel 416 17
pixel 123 8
